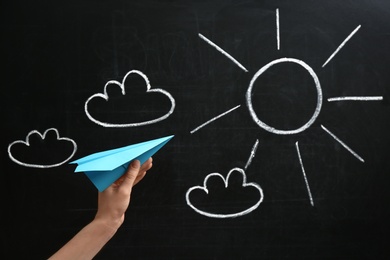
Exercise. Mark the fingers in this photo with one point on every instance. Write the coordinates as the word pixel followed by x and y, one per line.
pixel 135 173
pixel 139 177
pixel 131 174
pixel 144 168
pixel 147 165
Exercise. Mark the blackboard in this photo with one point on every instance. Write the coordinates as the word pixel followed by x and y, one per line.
pixel 321 191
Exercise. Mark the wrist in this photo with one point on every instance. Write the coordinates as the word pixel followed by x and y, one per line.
pixel 111 223
pixel 109 228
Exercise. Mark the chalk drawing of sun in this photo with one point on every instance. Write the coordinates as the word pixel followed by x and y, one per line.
pixel 316 112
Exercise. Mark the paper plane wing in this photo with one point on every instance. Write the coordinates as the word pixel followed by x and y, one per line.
pixel 103 168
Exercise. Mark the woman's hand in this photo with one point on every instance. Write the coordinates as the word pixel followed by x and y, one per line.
pixel 114 201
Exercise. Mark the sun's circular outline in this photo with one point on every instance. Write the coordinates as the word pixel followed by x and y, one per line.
pixel 270 128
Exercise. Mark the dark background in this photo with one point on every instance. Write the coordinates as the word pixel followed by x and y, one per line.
pixel 56 54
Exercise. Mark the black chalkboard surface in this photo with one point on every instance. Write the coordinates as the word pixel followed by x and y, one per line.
pixel 280 111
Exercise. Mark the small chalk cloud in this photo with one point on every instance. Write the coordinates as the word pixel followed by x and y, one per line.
pixel 238 196
pixel 50 140
pixel 121 85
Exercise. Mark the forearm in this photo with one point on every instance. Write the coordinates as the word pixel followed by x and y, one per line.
pixel 87 242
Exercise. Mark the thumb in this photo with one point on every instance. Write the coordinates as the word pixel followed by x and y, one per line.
pixel 131 174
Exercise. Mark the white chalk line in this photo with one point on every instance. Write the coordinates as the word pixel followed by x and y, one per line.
pixel 213 119
pixel 252 155
pixel 226 182
pixel 223 52
pixel 270 128
pixel 341 45
pixel 277 29
pixel 43 136
pixel 304 174
pixel 121 85
pixel 368 98
pixel 342 143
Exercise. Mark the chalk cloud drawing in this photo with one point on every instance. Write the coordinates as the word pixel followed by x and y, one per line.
pixel 43 137
pixel 273 130
pixel 208 191
pixel 121 85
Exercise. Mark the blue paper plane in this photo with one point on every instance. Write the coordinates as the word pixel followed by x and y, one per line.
pixel 103 168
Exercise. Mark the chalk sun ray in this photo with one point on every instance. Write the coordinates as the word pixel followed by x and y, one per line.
pixel 277 29
pixel 213 119
pixel 367 98
pixel 304 174
pixel 341 45
pixel 343 144
pixel 223 52
pixel 252 155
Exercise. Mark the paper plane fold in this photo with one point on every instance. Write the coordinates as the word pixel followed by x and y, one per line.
pixel 103 168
